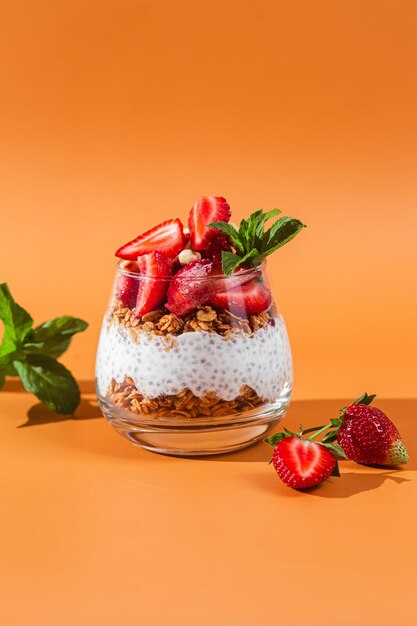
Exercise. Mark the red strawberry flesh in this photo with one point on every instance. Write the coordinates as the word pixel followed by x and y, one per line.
pixel 167 238
pixel 127 289
pixel 369 437
pixel 302 464
pixel 155 269
pixel 197 283
pixel 206 210
pixel 190 287
pixel 251 298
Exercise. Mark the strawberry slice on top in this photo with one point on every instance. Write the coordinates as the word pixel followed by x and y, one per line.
pixel 190 287
pixel 250 298
pixel 167 238
pixel 155 269
pixel 206 210
pixel 127 283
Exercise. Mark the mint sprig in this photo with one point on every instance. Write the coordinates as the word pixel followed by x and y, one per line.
pixel 31 354
pixel 251 242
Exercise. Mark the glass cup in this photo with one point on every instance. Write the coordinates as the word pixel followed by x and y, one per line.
pixel 215 380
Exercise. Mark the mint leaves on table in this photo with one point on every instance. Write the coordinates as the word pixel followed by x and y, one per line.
pixel 31 354
pixel 251 242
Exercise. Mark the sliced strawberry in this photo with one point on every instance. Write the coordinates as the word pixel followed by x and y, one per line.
pixel 167 238
pixel 153 284
pixel 190 287
pixel 207 209
pixel 301 463
pixel 215 247
pixel 127 290
pixel 126 284
pixel 198 282
pixel 250 298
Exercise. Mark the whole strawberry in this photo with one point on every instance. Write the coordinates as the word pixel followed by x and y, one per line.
pixel 367 436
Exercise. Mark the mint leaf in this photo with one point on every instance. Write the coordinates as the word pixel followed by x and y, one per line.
pixel 2 377
pixel 231 261
pixel 250 241
pixel 49 381
pixel 17 322
pixel 280 233
pixel 53 337
pixel 261 222
pixel 232 233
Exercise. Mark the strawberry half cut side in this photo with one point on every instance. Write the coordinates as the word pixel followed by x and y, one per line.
pixel 167 238
pixel 207 209
pixel 251 298
pixel 153 285
pixel 302 464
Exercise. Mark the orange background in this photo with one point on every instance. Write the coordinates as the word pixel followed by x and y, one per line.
pixel 115 115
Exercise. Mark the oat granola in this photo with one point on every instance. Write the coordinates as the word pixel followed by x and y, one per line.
pixel 203 318
pixel 182 405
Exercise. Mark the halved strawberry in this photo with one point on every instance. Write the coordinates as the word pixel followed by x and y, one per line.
pixel 207 209
pixel 127 290
pixel 153 283
pixel 301 464
pixel 250 298
pixel 215 247
pixel 190 287
pixel 126 284
pixel 167 238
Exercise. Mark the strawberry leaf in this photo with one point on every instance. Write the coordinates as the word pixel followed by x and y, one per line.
pixel 330 437
pixel 275 438
pixel 336 470
pixel 365 399
pixel 335 448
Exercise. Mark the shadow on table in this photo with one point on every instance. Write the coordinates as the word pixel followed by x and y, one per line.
pixel 13 385
pixel 349 484
pixel 40 414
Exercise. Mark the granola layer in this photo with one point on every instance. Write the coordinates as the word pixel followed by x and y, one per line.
pixel 204 318
pixel 182 405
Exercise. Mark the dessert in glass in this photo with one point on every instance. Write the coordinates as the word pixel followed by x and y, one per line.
pixel 193 356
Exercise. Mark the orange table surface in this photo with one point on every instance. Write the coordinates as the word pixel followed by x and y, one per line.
pixel 97 531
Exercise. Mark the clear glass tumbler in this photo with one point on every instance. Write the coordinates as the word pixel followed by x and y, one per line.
pixel 214 380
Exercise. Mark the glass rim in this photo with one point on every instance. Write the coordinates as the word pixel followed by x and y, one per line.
pixel 244 272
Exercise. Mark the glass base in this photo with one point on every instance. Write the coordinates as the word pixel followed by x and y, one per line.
pixel 195 436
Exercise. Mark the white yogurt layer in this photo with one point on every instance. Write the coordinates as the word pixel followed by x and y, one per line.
pixel 199 361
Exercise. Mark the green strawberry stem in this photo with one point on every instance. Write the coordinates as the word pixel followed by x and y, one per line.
pixel 318 432
pixel 332 427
